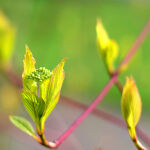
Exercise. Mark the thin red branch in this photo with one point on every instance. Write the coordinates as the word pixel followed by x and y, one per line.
pixel 135 46
pixel 86 112
pixel 91 108
pixel 113 79
pixel 105 116
pixel 74 103
pixel 97 112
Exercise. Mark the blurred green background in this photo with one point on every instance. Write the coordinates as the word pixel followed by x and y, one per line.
pixel 54 29
pixel 57 29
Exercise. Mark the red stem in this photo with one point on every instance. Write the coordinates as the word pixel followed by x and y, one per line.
pixel 106 116
pixel 99 113
pixel 125 61
pixel 87 111
pixel 100 97
pixel 135 46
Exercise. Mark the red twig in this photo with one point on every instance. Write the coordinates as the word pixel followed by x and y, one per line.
pixel 129 55
pixel 16 80
pixel 74 103
pixel 136 45
pixel 105 116
pixel 97 112
pixel 113 80
pixel 86 112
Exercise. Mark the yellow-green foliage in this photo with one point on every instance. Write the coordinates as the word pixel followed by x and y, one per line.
pixel 108 48
pixel 40 103
pixel 40 94
pixel 131 105
pixel 29 63
pixel 7 38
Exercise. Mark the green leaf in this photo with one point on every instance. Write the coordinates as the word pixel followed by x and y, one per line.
pixel 131 105
pixel 7 39
pixel 34 105
pixel 30 85
pixel 43 89
pixel 102 36
pixel 111 54
pixel 29 63
pixel 29 67
pixel 108 48
pixel 39 107
pixel 28 101
pixel 54 88
pixel 49 110
pixel 23 125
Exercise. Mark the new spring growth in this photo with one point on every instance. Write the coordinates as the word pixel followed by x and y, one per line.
pixel 39 75
pixel 7 39
pixel 108 48
pixel 131 107
pixel 40 94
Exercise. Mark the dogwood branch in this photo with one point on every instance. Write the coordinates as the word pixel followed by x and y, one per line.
pixel 112 81
pixel 16 80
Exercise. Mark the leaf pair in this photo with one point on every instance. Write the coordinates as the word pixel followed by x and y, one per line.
pixel 108 49
pixel 41 90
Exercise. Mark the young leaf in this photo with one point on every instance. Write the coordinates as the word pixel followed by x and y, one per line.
pixel 43 89
pixel 7 39
pixel 108 49
pixel 131 103
pixel 29 63
pixel 102 35
pixel 30 85
pixel 28 101
pixel 54 88
pixel 34 105
pixel 111 54
pixel 23 125
pixel 131 106
pixel 29 67
pixel 39 107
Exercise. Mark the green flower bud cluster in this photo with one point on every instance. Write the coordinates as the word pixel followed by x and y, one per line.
pixel 39 75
